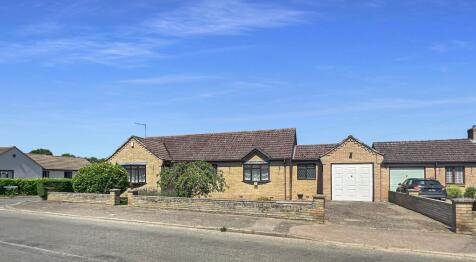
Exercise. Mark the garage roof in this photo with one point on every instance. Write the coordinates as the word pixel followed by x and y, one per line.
pixel 429 151
pixel 312 152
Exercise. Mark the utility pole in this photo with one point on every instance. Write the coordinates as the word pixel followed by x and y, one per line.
pixel 145 128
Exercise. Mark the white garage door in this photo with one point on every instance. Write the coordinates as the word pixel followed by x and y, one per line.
pixel 352 182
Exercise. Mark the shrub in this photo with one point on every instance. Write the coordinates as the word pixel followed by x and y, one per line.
pixel 470 192
pixel 189 179
pixel 454 192
pixel 100 178
pixel 30 186
pixel 44 185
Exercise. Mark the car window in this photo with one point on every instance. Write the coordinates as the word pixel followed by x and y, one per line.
pixel 431 183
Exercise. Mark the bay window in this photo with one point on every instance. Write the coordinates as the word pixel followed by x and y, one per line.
pixel 256 172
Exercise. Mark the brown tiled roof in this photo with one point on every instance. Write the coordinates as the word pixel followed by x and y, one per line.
pixel 4 149
pixel 312 152
pixel 229 146
pixel 59 162
pixel 450 150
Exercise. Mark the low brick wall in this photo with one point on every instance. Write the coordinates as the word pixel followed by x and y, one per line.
pixel 438 210
pixel 306 210
pixel 106 199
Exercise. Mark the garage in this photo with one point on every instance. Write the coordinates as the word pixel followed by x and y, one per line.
pixel 399 174
pixel 352 182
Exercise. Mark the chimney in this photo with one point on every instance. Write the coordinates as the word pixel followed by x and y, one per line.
pixel 472 133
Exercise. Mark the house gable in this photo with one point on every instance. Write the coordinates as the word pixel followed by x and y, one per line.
pixel 351 150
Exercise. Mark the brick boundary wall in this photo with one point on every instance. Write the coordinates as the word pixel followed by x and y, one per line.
pixel 295 210
pixel 459 214
pixel 112 198
pixel 435 209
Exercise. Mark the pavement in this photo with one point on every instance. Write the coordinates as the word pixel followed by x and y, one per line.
pixel 347 224
pixel 52 238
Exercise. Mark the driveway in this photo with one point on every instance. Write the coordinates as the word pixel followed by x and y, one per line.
pixel 379 215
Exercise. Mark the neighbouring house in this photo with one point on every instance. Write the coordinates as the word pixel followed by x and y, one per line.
pixel 450 161
pixel 16 164
pixel 270 163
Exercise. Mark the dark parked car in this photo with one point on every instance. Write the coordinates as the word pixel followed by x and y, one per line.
pixel 426 187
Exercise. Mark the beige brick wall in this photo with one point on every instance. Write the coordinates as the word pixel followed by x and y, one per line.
pixel 138 154
pixel 360 155
pixel 237 189
pixel 306 187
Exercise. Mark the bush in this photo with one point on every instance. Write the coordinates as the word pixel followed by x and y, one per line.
pixel 454 192
pixel 30 186
pixel 189 179
pixel 44 185
pixel 100 178
pixel 470 192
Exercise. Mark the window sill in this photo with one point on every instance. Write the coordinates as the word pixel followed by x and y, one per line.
pixel 311 179
pixel 455 184
pixel 253 182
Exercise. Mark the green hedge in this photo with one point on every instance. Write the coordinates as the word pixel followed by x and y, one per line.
pixel 30 186
pixel 100 178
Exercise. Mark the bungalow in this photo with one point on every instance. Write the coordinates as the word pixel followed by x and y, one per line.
pixel 270 163
pixel 16 164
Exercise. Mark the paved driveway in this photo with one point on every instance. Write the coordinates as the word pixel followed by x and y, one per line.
pixel 379 215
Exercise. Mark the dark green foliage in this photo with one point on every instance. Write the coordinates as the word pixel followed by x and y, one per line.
pixel 30 186
pixel 454 192
pixel 100 178
pixel 68 155
pixel 470 192
pixel 190 179
pixel 95 159
pixel 42 151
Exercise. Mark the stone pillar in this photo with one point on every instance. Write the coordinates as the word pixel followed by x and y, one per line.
pixel 412 192
pixel 130 199
pixel 463 216
pixel 320 207
pixel 114 197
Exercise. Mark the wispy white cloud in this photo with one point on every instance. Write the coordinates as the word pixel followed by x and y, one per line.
pixel 442 47
pixel 358 107
pixel 223 18
pixel 69 50
pixel 168 79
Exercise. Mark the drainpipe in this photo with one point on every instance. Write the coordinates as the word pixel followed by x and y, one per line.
pixel 285 184
pixel 291 179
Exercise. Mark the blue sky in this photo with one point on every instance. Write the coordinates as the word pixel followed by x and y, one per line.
pixel 76 75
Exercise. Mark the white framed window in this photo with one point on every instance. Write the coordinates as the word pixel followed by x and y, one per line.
pixel 455 175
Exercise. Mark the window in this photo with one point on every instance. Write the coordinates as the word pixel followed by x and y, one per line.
pixel 256 172
pixel 68 174
pixel 455 175
pixel 46 173
pixel 136 173
pixel 306 171
pixel 6 173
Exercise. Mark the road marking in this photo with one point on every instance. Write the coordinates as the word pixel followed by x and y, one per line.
pixel 49 251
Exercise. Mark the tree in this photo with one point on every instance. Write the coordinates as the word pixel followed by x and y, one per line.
pixel 41 151
pixel 95 159
pixel 68 155
pixel 190 179
pixel 100 178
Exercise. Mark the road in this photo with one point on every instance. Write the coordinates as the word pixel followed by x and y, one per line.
pixel 28 237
